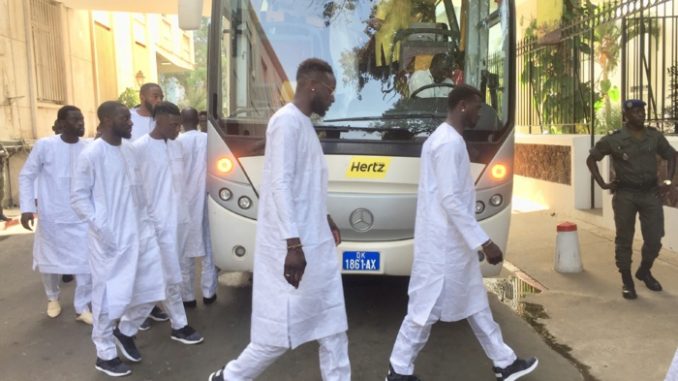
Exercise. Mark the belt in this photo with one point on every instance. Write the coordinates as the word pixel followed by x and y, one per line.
pixel 646 186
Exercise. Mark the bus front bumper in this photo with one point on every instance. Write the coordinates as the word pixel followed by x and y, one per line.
pixel 233 244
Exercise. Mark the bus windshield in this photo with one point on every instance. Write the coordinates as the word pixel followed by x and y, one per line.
pixel 395 61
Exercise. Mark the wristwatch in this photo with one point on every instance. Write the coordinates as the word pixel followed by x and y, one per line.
pixel 667 183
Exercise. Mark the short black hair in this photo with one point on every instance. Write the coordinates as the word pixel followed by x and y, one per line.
pixel 147 86
pixel 441 59
pixel 203 112
pixel 108 109
pixel 462 93
pixel 166 108
pixel 313 65
pixel 190 114
pixel 62 114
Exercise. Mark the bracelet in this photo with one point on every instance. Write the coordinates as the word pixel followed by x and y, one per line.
pixel 297 246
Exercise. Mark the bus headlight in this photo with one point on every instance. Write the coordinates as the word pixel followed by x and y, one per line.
pixel 244 202
pixel 499 171
pixel 480 207
pixel 225 194
pixel 496 200
pixel 224 165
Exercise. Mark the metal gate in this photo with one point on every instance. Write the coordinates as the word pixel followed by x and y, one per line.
pixel 573 78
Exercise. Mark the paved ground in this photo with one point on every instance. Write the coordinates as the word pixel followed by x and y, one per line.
pixel 34 347
pixel 616 338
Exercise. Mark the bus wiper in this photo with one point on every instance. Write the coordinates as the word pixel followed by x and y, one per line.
pixel 388 117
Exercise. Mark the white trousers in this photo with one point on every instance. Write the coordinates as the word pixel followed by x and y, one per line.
pixel 102 329
pixel 208 277
pixel 333 352
pixel 412 338
pixel 132 319
pixel 83 290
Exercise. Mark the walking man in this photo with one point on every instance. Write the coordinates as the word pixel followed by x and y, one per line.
pixel 194 144
pixel 161 162
pixel 150 95
pixel 60 244
pixel 297 293
pixel 446 282
pixel 124 256
pixel 634 149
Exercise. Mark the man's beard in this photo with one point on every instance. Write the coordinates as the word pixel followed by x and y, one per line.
pixel 123 132
pixel 149 106
pixel 318 107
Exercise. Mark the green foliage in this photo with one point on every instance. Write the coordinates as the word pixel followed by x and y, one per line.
pixel 193 83
pixel 608 119
pixel 560 96
pixel 129 97
pixel 608 44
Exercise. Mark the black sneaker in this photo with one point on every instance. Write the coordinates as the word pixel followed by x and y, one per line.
pixel 158 315
pixel 209 301
pixel 516 370
pixel 217 376
pixel 146 325
pixel 393 376
pixel 113 368
pixel 650 282
pixel 190 304
pixel 66 278
pixel 126 345
pixel 629 292
pixel 187 335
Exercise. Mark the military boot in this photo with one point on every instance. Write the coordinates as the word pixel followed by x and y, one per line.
pixel 628 288
pixel 645 275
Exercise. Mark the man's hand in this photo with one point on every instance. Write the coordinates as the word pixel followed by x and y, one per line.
pixel 27 221
pixel 664 190
pixel 295 262
pixel 612 186
pixel 493 253
pixel 335 230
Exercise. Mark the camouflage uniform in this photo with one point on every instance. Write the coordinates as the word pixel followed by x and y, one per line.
pixel 635 166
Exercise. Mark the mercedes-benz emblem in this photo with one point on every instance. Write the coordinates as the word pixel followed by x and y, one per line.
pixel 361 220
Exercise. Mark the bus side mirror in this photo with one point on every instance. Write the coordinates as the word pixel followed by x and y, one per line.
pixel 190 13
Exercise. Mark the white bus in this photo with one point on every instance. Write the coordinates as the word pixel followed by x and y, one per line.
pixel 389 98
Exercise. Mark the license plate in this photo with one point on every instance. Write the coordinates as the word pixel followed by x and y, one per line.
pixel 361 260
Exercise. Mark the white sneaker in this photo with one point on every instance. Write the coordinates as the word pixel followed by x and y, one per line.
pixel 85 317
pixel 53 308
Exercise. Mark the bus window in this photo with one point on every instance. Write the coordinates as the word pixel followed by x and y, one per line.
pixel 395 62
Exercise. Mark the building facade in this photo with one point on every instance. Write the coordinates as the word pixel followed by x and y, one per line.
pixel 55 53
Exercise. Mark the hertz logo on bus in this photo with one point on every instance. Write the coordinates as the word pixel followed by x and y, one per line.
pixel 368 167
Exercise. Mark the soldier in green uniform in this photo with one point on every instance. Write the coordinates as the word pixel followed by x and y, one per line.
pixel 634 149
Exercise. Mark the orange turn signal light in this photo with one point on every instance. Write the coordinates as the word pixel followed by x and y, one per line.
pixel 499 171
pixel 224 165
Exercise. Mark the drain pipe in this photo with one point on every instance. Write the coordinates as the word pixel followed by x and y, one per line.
pixel 31 70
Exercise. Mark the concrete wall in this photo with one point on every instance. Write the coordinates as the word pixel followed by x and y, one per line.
pixel 544 12
pixel 559 196
pixel 574 200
